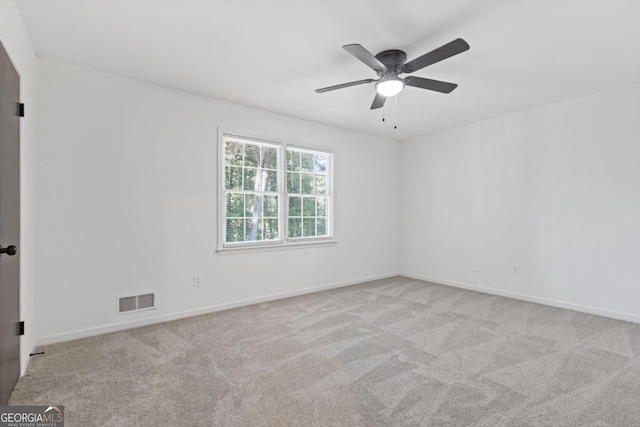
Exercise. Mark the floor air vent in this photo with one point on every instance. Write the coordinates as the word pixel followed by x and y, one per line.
pixel 133 303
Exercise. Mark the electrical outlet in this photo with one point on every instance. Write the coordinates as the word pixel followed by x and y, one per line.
pixel 515 269
pixel 197 280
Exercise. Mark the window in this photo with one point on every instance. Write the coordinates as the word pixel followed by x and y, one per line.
pixel 307 193
pixel 273 194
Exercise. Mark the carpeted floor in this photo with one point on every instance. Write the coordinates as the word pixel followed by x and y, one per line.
pixel 394 352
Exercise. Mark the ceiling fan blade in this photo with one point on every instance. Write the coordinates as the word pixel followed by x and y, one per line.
pixel 378 101
pixel 443 52
pixel 365 56
pixel 343 85
pixel 429 84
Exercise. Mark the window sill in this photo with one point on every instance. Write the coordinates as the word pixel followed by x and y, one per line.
pixel 277 247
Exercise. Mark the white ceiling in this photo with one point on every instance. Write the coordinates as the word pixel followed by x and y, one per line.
pixel 272 54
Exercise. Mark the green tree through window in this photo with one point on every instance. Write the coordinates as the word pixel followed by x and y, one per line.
pixel 256 206
pixel 307 193
pixel 251 191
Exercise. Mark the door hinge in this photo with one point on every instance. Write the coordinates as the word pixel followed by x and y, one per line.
pixel 20 109
pixel 21 328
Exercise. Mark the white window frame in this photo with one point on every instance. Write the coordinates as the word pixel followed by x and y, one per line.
pixel 284 242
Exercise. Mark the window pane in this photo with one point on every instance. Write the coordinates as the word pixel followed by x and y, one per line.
pixel 250 200
pixel 251 155
pixel 293 160
pixel 295 206
pixel 250 179
pixel 293 182
pixel 233 153
pixel 321 206
pixel 306 186
pixel 320 184
pixel 235 205
pixel 320 165
pixel 269 157
pixel 295 227
pixel 271 181
pixel 306 164
pixel 270 206
pixel 253 229
pixel 309 227
pixel 233 178
pixel 309 206
pixel 270 229
pixel 261 180
pixel 322 226
pixel 235 230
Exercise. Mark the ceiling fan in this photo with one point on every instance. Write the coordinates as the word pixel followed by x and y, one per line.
pixel 389 64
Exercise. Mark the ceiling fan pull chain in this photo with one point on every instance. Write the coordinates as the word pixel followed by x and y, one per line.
pixel 383 112
pixel 395 113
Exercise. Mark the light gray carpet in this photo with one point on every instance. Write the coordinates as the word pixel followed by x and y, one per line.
pixel 394 352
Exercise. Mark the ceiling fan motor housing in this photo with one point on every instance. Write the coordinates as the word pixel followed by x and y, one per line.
pixel 393 59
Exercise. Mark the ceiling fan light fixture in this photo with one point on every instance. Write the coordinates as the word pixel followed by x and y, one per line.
pixel 389 86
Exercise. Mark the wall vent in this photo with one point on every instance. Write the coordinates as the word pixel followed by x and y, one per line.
pixel 133 303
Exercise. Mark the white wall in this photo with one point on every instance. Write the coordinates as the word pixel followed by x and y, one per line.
pixel 17 44
pixel 127 203
pixel 555 190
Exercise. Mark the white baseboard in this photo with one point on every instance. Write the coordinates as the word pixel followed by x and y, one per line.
pixel 619 315
pixel 440 281
pixel 121 326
